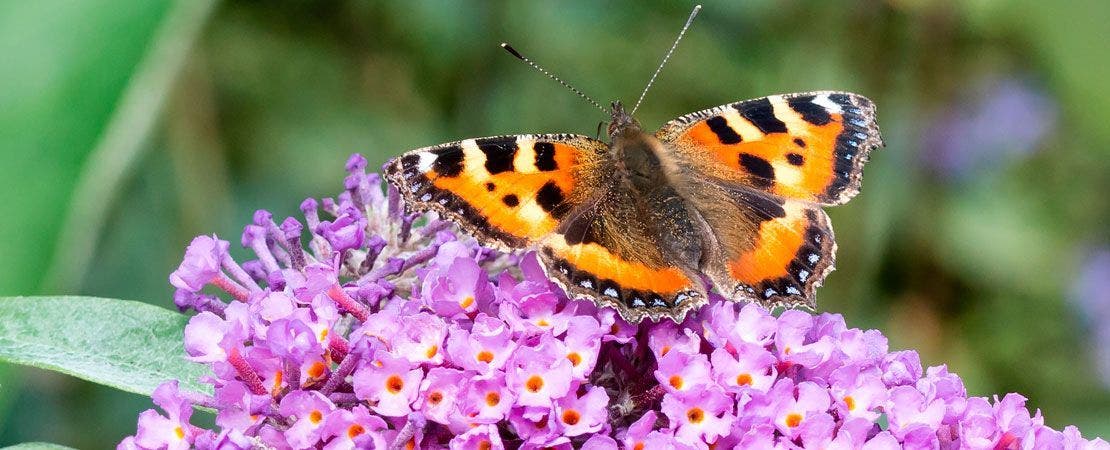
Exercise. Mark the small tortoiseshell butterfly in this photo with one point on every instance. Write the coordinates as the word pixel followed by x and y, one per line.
pixel 733 192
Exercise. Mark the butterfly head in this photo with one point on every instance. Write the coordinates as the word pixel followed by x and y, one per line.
pixel 621 123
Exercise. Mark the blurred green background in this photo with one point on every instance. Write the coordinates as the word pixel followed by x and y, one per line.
pixel 980 239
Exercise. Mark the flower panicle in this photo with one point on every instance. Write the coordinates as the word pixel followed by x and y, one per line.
pixel 367 327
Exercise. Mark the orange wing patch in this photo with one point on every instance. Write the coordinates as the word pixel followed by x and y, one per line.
pixel 802 146
pixel 790 256
pixel 635 288
pixel 509 191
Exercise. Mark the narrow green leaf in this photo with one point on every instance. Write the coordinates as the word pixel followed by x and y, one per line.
pixel 36 446
pixel 125 344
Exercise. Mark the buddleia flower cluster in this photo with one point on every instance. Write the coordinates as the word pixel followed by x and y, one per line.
pixel 366 327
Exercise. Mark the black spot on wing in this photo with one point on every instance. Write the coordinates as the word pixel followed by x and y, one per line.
pixel 551 198
pixel 510 200
pixel 490 186
pixel 761 114
pixel 799 142
pixel 762 170
pixel 410 160
pixel 499 153
pixel 841 99
pixel 810 112
pixel 545 156
pixel 795 159
pixel 719 126
pixel 449 161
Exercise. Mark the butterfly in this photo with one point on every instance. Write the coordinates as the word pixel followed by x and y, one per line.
pixel 732 194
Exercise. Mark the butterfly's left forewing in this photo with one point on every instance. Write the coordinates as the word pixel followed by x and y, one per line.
pixel 507 191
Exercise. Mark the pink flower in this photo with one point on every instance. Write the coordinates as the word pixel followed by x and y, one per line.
pixel 487 399
pixel 794 405
pixel 679 371
pixel 538 378
pixel 582 415
pixel 390 382
pixel 699 416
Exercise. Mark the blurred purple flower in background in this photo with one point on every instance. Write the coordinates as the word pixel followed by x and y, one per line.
pixel 1091 295
pixel 1002 120
pixel 391 331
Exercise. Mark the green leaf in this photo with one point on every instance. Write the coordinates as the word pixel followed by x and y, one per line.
pixel 36 446
pixel 125 344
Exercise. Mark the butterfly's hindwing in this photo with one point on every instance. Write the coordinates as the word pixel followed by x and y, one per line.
pixel 625 251
pixel 767 248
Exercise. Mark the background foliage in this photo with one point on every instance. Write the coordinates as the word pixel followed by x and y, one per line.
pixel 980 238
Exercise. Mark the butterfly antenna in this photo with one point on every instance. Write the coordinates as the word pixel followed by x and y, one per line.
pixel 666 57
pixel 517 54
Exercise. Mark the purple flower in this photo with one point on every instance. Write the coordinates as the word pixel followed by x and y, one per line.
pixel 680 371
pixel 485 348
pixel 795 405
pixel 201 264
pixel 998 121
pixel 440 394
pixel 487 400
pixel 387 330
pixel 539 377
pixel 585 414
pixel 308 410
pixel 753 367
pixel 908 407
pixel 390 383
pixel 699 416
pixel 479 437
pixel 173 430
pixel 354 428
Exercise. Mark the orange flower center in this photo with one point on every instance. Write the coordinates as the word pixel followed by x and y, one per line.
pixel 355 430
pixel 435 397
pixel 432 351
pixel 571 417
pixel 676 381
pixel 485 356
pixel 466 302
pixel 638 446
pixel 793 420
pixel 695 415
pixel 315 416
pixel 493 398
pixel 316 370
pixel 277 383
pixel 743 379
pixel 394 384
pixel 485 445
pixel 851 402
pixel 180 432
pixel 534 384
pixel 663 351
pixel 575 358
pixel 543 323
pixel 323 335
